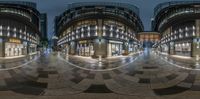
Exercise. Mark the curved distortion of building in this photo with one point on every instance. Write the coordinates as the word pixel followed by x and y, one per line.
pixel 99 29
pixel 179 25
pixel 19 29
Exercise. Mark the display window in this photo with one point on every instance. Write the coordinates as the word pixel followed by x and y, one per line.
pixel 116 49
pixel 85 49
pixel 13 49
pixel 183 49
pixel 165 48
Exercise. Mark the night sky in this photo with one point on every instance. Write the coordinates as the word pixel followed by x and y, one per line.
pixel 56 7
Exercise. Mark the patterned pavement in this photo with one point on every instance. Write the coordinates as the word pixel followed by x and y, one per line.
pixel 148 77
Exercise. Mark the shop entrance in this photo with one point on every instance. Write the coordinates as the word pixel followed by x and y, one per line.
pixel 183 49
pixel 85 49
pixel 116 49
pixel 13 49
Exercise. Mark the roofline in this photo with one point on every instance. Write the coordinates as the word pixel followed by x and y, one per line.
pixel 164 5
pixel 118 4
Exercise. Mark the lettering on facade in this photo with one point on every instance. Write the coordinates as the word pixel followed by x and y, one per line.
pixel 84 41
pixel 12 40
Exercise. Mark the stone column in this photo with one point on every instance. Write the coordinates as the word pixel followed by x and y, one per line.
pixel 196 40
pixel 2 48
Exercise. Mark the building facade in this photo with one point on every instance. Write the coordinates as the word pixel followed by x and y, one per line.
pixel 43 26
pixel 148 38
pixel 19 28
pixel 179 25
pixel 98 29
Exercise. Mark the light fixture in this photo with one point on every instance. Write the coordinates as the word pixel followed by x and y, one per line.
pixel 104 33
pixel 186 28
pixel 96 33
pixel 96 27
pixel 104 28
pixel 180 30
pixel 186 34
pixel 8 34
pixel 111 34
pixel 14 29
pixel 82 35
pixel 193 27
pixel 8 28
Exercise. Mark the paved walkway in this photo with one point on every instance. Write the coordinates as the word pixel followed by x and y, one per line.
pixel 148 77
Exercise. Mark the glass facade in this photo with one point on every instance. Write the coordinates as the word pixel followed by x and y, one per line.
pixel 19 37
pixel 178 25
pixel 98 35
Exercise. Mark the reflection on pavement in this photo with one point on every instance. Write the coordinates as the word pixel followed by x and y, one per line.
pixel 189 64
pixel 105 64
pixel 17 63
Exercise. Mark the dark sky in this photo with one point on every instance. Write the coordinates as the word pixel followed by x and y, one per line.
pixel 56 7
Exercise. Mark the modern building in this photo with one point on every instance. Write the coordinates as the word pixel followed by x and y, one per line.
pixel 43 25
pixel 179 25
pixel 148 38
pixel 98 29
pixel 19 29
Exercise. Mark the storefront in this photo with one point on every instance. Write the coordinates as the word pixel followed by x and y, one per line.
pixel 14 47
pixel 32 48
pixel 165 48
pixel 183 49
pixel 114 48
pixel 85 48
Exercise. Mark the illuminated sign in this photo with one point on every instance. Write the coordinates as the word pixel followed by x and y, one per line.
pixel 12 40
pixel 84 41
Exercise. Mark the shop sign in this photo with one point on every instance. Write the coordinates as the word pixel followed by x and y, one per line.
pixel 84 41
pixel 12 40
pixel 115 42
